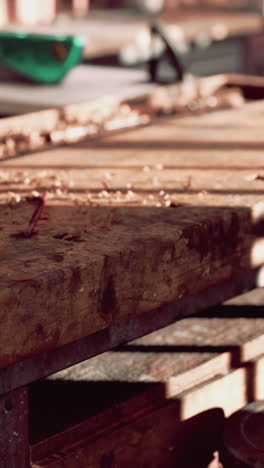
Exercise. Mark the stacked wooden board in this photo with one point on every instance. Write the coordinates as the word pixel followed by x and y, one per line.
pixel 159 401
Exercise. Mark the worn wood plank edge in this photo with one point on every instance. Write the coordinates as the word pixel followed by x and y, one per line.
pixel 47 363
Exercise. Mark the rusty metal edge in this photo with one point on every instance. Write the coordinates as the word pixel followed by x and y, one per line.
pixel 47 363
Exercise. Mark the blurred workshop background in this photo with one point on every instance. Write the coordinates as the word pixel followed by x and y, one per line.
pixel 209 36
pixel 121 27
pixel 31 11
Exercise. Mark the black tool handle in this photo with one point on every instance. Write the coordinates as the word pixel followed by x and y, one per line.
pixel 171 52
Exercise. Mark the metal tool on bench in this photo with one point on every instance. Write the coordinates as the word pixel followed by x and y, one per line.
pixel 40 58
pixel 184 88
pixel 172 53
pixel 186 91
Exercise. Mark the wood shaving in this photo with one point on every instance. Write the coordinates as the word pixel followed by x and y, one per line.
pixel 251 177
pixel 108 175
pixel 105 194
pixel 27 180
pixel 146 169
pixel 85 121
pixel 130 194
pixel 74 124
pixel 13 198
pixel 202 194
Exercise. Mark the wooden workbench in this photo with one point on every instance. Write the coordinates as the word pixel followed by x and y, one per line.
pixel 226 42
pixel 141 229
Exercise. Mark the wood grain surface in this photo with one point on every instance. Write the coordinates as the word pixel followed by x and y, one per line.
pixel 132 222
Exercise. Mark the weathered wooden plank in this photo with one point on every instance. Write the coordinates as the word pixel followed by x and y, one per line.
pixel 57 289
pixel 49 362
pixel 91 266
